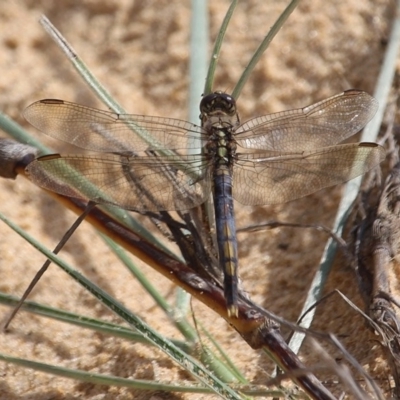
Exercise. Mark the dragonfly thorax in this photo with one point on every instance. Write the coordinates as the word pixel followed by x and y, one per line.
pixel 221 145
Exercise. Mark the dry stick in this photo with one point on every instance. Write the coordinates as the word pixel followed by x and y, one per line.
pixel 376 245
pixel 382 238
pixel 44 267
pixel 256 327
pixel 258 331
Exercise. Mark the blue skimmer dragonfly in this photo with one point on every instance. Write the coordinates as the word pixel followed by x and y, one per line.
pixel 163 164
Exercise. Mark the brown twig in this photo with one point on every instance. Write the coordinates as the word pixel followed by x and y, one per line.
pixel 376 247
pixel 257 329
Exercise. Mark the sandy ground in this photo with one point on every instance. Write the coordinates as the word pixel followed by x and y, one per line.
pixel 139 50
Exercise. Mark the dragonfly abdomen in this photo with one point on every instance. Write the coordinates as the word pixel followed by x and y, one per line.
pixel 226 235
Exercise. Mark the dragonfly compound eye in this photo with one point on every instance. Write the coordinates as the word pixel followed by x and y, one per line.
pixel 218 101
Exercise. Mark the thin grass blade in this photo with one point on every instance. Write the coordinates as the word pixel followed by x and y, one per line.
pixel 217 48
pixel 263 46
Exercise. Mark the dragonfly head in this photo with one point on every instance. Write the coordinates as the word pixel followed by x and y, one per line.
pixel 218 107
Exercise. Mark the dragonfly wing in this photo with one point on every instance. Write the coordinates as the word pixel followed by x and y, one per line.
pixel 320 125
pixel 272 177
pixel 107 131
pixel 134 183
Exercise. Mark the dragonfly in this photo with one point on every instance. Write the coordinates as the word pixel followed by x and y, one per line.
pixel 153 163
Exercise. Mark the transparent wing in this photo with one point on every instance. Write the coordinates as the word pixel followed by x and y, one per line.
pixel 106 131
pixel 273 177
pixel 134 183
pixel 320 125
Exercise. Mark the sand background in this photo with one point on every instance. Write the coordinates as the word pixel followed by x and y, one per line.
pixel 140 51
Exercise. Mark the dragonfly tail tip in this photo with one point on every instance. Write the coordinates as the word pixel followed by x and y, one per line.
pixel 233 311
